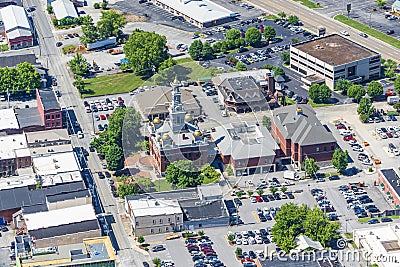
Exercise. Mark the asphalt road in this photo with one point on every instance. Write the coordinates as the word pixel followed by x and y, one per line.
pixel 71 99
pixel 313 19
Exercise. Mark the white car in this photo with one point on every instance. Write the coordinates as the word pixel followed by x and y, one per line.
pixel 345 33
pixel 245 241
pixel 253 200
pixel 80 135
pixel 238 241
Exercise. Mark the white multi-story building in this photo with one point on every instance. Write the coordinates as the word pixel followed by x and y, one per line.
pixel 330 58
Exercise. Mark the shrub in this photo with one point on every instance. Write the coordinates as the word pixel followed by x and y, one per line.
pixel 96 5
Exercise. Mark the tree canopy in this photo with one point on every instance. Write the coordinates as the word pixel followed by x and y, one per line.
pixel 196 49
pixel 340 159
pixel 319 93
pixel 110 24
pixel 240 66
pixel 207 51
pixel 232 34
pixel 269 32
pixel 253 36
pixel 89 31
pixel 127 188
pixel 145 51
pixel 292 19
pixel 123 135
pixel 79 65
pixel 19 80
pixel 375 89
pixel 343 85
pixel 365 108
pixel 397 84
pixel 310 166
pixel 356 91
pixel 293 220
pixel 183 173
pixel 285 56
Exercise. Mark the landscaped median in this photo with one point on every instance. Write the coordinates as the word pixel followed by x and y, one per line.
pixel 309 4
pixel 370 31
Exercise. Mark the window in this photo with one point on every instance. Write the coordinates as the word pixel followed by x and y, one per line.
pixel 137 223
pixel 169 220
pixel 161 221
pixel 159 230
pixel 57 116
pixel 324 148
pixel 166 229
pixel 317 149
pixel 154 221
pixel 332 147
pixel 151 231
pixel 52 116
pixel 47 124
pixel 177 218
pixel 47 117
pixel 58 123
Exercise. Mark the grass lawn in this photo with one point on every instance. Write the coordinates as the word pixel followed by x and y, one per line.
pixel 158 185
pixel 68 49
pixel 127 81
pixel 315 105
pixel 364 220
pixel 271 17
pixel 184 60
pixel 112 84
pixel 364 28
pixel 309 4
pixel 327 175
pixel 210 181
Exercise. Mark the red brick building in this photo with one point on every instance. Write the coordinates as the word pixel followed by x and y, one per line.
pixel 389 181
pixel 301 135
pixel 49 109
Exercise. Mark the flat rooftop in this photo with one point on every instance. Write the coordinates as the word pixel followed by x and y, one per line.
pixel 59 217
pixel 92 250
pixel 8 119
pixel 47 136
pixel 335 50
pixel 153 207
pixel 9 144
pixel 392 178
pixel 57 163
pixel 48 99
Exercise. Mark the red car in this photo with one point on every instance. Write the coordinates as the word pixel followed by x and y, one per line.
pixel 389 135
pixel 102 117
pixel 107 115
pixel 258 199
pixel 348 138
pixel 247 260
pixel 340 126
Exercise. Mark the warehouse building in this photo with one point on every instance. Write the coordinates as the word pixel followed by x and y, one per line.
pixel 201 13
pixel 17 27
pixel 330 58
pixel 64 9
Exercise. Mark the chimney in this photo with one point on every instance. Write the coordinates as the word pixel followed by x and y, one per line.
pixel 299 111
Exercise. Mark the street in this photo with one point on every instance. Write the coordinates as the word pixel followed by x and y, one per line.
pixel 312 19
pixel 71 99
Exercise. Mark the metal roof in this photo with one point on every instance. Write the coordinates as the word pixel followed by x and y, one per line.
pixel 15 20
pixel 64 9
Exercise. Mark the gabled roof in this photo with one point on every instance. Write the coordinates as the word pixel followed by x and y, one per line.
pixel 64 9
pixel 396 4
pixel 16 23
pixel 303 129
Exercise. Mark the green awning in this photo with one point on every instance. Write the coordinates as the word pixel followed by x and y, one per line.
pixel 397 206
pixel 382 184
pixel 388 193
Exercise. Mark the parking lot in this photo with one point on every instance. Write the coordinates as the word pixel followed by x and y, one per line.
pixel 5 240
pixel 363 11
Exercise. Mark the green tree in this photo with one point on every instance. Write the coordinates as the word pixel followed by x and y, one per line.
pixel 49 9
pixel 89 31
pixel 240 66
pixel 196 49
pixel 356 91
pixel 209 173
pixel 284 189
pixel 260 192
pixel 145 51
pixel 96 5
pixel 397 84
pixel 250 193
pixel 79 83
pixel 342 85
pixel 273 190
pixel 140 239
pixel 390 73
pixel 310 166
pixel 110 24
pixel 365 108
pixel 279 71
pixel 253 36
pixel 269 33
pixel 157 262
pixel 27 77
pixel 229 170
pixel 183 173
pixel 318 227
pixel 340 159
pixel 288 225
pixel 266 121
pixel 375 89
pixel 381 3
pixel 207 51
pixel 282 15
pixel 232 34
pixel 145 145
pixel 104 5
pixel 201 233
pixel 166 64
pixel 231 237
pixel 390 64
pixel 128 189
pixel 114 157
pixel 239 194
pixel 79 65
pixel 319 93
pixel 396 106
pixel 285 57
pixel 238 251
pixel 292 19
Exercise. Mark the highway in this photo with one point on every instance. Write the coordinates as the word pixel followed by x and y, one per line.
pixel 52 58
pixel 312 20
